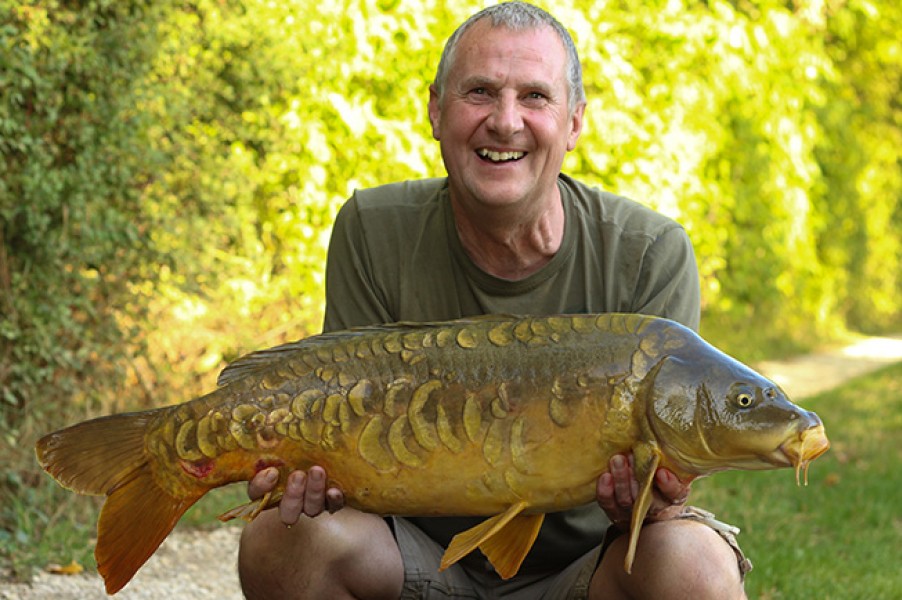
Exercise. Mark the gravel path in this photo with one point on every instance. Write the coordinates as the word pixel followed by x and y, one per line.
pixel 200 565
pixel 811 374
pixel 190 565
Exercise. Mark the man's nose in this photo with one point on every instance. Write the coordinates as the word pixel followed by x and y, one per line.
pixel 506 119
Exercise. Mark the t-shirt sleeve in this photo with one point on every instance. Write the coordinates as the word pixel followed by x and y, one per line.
pixel 668 283
pixel 353 297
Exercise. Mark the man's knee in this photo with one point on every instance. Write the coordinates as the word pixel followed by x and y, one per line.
pixel 264 549
pixel 697 552
pixel 678 558
pixel 343 555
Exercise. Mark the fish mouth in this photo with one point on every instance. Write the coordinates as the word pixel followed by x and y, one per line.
pixel 804 448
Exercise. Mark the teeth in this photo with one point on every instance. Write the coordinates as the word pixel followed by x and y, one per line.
pixel 500 156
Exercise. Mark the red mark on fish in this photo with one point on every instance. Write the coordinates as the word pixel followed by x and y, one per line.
pixel 198 468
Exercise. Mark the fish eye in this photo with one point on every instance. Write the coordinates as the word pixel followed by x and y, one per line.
pixel 744 400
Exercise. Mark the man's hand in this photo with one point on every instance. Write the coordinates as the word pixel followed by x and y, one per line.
pixel 305 493
pixel 618 489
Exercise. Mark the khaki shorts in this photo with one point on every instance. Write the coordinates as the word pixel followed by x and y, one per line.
pixel 422 579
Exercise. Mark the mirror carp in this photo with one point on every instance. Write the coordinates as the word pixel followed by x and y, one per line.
pixel 501 416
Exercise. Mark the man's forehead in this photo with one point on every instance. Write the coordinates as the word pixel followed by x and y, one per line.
pixel 484 30
pixel 483 45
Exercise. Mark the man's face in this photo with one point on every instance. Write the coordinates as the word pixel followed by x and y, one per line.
pixel 503 124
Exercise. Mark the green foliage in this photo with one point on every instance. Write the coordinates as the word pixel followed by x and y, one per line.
pixel 71 241
pixel 848 514
pixel 860 155
pixel 169 172
pixel 735 120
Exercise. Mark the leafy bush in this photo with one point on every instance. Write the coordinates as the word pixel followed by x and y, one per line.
pixel 72 239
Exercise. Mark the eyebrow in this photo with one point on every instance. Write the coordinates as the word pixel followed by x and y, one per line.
pixel 490 82
pixel 478 81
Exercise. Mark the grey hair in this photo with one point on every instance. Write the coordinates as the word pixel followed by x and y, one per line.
pixel 517 16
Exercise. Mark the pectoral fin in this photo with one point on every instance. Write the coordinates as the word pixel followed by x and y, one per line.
pixel 505 539
pixel 646 458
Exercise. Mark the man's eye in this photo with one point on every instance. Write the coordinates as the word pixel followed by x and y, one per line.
pixel 536 99
pixel 480 91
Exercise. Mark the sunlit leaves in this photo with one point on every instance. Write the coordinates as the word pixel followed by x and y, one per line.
pixel 196 153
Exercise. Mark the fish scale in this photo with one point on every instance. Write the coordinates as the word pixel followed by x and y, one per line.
pixel 502 416
pixel 408 438
pixel 412 432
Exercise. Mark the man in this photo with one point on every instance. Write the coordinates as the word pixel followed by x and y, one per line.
pixel 504 233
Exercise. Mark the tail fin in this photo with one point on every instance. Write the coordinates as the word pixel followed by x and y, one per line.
pixel 106 456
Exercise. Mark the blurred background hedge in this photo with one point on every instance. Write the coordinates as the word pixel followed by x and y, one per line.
pixel 169 172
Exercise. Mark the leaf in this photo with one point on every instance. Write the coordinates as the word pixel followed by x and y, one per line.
pixel 73 568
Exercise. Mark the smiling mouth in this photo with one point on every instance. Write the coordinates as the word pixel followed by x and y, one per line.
pixel 499 157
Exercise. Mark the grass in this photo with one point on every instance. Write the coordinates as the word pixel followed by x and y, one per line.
pixel 51 526
pixel 840 537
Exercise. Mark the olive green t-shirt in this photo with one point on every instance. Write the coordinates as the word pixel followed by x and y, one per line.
pixel 395 256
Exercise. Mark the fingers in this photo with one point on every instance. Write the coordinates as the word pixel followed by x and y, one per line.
pixel 292 505
pixel 263 482
pixel 671 488
pixel 307 494
pixel 618 489
pixel 335 500
pixel 604 494
pixel 626 488
pixel 315 493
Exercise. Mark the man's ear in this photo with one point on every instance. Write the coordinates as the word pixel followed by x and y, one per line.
pixel 576 125
pixel 435 112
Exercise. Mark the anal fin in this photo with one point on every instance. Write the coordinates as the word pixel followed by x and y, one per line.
pixel 249 511
pixel 505 539
pixel 507 548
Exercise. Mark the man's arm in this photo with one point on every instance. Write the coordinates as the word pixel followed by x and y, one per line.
pixel 668 286
pixel 668 283
pixel 353 297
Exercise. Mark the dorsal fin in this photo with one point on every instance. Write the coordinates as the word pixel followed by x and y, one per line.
pixel 263 359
